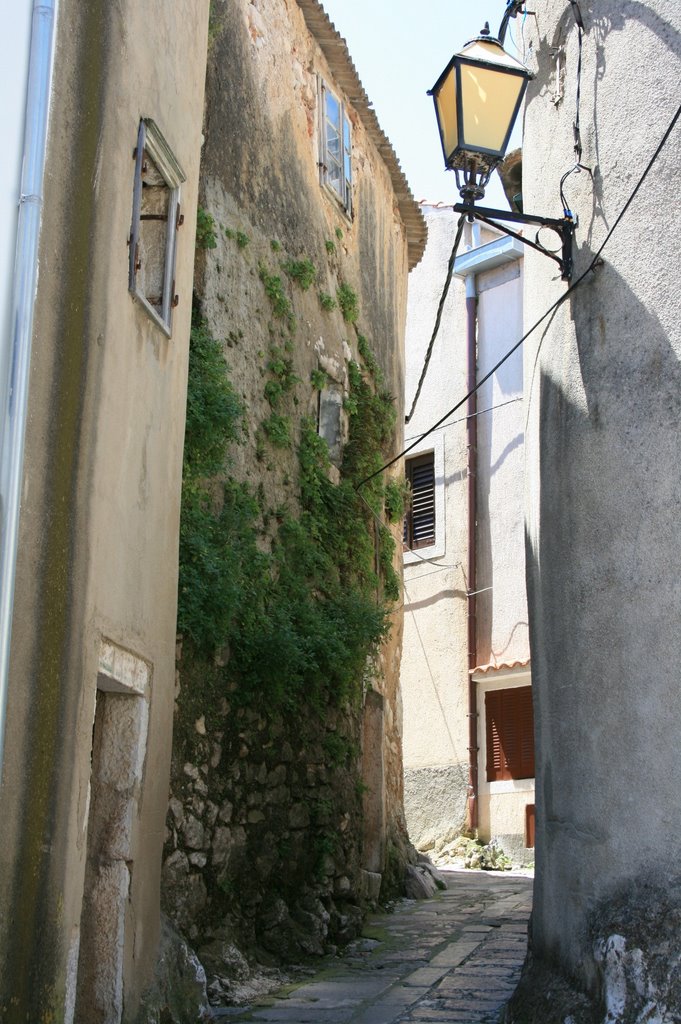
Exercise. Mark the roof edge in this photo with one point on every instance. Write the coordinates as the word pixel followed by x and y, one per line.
pixel 501 669
pixel 336 51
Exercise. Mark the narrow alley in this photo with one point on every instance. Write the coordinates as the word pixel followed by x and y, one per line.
pixel 455 958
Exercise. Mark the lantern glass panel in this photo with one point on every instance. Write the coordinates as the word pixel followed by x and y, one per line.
pixel 445 98
pixel 489 99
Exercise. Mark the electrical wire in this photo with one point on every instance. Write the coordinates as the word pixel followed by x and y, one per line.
pixel 470 416
pixel 438 317
pixel 559 301
pixel 576 126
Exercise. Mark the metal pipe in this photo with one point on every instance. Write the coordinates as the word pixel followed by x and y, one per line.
pixel 472 431
pixel 15 388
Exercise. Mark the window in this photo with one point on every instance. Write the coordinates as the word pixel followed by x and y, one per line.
pixel 335 162
pixel 419 522
pixel 155 220
pixel 330 421
pixel 510 734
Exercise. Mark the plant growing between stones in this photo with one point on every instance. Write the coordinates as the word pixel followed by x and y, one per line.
pixel 280 302
pixel 327 301
pixel 303 272
pixel 347 301
pixel 206 235
pixel 318 379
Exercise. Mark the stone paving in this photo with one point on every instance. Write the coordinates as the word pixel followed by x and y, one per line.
pixel 453 959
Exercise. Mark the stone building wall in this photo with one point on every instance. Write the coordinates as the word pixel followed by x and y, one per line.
pixel 286 810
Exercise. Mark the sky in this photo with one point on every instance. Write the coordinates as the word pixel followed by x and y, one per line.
pixel 399 48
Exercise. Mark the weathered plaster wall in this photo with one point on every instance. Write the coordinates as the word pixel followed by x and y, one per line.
pixel 99 528
pixel 603 490
pixel 435 656
pixel 260 785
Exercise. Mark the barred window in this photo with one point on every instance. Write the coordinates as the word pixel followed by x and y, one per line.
pixel 155 220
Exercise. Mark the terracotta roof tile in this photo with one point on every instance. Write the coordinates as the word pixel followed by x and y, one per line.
pixel 502 666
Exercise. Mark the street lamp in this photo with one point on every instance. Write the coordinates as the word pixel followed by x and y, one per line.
pixel 477 100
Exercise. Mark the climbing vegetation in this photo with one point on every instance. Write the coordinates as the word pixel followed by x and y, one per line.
pixel 294 620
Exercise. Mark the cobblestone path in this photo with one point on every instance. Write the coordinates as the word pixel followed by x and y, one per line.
pixel 454 959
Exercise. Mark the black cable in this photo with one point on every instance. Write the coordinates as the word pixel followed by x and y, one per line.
pixel 438 318
pixel 576 126
pixel 569 291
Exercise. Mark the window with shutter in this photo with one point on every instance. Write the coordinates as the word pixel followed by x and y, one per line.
pixel 419 522
pixel 510 734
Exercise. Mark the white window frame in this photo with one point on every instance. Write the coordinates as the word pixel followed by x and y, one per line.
pixel 498 680
pixel 343 195
pixel 436 445
pixel 150 141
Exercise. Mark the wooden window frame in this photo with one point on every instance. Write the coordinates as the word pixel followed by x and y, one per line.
pixel 425 459
pixel 343 191
pixel 509 721
pixel 152 145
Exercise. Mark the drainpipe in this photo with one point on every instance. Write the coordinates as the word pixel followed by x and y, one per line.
pixel 14 389
pixel 472 440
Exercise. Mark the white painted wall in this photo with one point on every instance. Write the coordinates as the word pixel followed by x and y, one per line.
pixel 435 654
pixel 434 658
pixel 14 53
pixel 501 611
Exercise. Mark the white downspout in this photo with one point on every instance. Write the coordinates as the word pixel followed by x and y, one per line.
pixel 14 389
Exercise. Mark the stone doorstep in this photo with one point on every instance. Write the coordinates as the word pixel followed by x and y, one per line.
pixel 455 954
pixel 425 976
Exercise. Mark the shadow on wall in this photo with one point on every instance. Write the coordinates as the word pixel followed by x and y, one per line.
pixel 598 26
pixel 604 608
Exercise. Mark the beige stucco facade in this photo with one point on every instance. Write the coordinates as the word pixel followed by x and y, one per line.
pixel 93 642
pixel 436 663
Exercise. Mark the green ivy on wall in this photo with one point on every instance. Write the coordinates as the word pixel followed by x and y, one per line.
pixel 296 623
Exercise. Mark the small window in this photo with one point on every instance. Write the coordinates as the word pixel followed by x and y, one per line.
pixel 419 522
pixel 155 220
pixel 335 161
pixel 330 421
pixel 510 734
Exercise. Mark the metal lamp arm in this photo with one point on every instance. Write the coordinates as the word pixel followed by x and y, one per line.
pixel 565 228
pixel 513 8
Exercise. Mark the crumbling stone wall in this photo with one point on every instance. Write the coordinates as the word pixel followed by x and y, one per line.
pixel 271 816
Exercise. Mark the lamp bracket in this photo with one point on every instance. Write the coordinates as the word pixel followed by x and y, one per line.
pixel 565 228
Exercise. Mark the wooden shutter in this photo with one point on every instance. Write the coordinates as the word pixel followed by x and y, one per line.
pixel 420 520
pixel 510 734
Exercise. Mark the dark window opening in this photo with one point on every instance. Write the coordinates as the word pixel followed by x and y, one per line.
pixel 419 522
